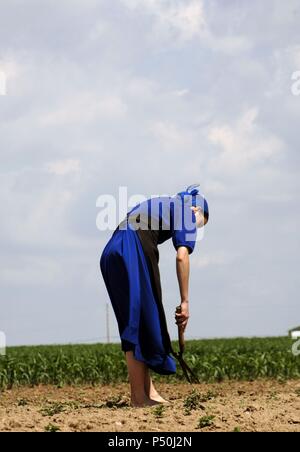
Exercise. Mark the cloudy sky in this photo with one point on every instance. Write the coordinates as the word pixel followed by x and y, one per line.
pixel 152 95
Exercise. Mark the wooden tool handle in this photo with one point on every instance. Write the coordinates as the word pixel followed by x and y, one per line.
pixel 180 332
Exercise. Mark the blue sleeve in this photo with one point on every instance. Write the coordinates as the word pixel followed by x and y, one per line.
pixel 184 231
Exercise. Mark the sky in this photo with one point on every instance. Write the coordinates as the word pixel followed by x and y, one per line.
pixel 151 95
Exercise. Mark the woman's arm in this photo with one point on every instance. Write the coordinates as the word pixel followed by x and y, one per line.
pixel 183 273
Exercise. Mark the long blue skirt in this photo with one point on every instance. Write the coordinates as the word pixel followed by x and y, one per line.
pixel 127 279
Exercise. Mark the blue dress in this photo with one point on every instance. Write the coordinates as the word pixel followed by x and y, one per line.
pixel 129 265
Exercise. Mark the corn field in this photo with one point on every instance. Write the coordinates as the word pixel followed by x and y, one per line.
pixel 212 360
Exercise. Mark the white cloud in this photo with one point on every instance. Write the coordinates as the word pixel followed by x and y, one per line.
pixel 187 18
pixel 39 217
pixel 181 92
pixel 2 83
pixel 170 136
pixel 9 71
pixel 10 67
pixel 242 143
pixel 85 107
pixel 184 19
pixel 63 167
pixel 231 45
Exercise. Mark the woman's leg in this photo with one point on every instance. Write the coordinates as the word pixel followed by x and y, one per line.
pixel 150 390
pixel 137 373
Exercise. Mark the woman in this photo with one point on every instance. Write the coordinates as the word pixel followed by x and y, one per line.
pixel 129 265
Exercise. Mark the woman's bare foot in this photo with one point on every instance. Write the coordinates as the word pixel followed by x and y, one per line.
pixel 158 398
pixel 151 391
pixel 138 403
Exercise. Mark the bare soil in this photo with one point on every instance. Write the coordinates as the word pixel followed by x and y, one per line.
pixel 230 406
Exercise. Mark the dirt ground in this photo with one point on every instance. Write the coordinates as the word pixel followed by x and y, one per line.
pixel 230 406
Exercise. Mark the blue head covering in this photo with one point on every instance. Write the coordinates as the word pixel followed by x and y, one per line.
pixel 193 197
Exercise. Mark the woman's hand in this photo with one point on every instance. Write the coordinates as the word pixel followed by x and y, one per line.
pixel 183 317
